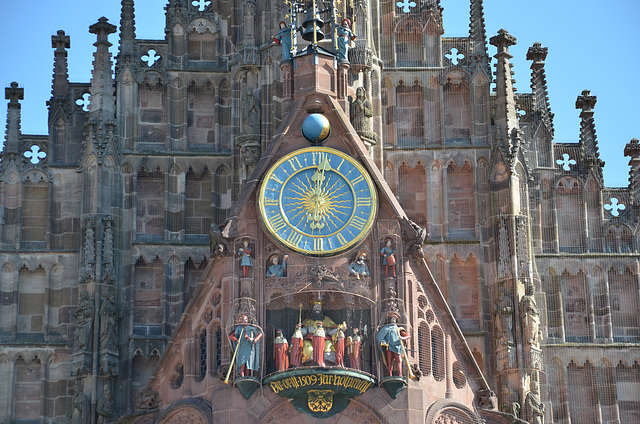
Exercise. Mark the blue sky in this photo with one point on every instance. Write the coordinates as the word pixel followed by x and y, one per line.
pixel 592 45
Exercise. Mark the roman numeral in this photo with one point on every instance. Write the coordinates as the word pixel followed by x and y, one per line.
pixel 363 201
pixel 357 180
pixel 295 164
pixel 341 239
pixel 358 223
pixel 317 244
pixel 277 222
pixel 271 202
pixel 274 178
pixel 294 238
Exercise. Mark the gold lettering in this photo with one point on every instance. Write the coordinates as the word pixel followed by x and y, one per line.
pixel 357 180
pixel 358 223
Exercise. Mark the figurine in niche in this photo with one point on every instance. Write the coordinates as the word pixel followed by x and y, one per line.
pixel 340 344
pixel 277 269
pixel 295 356
pixel 245 341
pixel 330 328
pixel 534 408
pixel 250 112
pixel 105 406
pixel 361 110
pixel 81 407
pixel 353 348
pixel 286 37
pixel 244 255
pixel 359 268
pixel 530 317
pixel 392 340
pixel 84 322
pixel 345 36
pixel 318 338
pixel 280 347
pixel 388 255
pixel 504 318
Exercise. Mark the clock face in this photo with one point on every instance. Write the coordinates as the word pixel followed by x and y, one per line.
pixel 317 201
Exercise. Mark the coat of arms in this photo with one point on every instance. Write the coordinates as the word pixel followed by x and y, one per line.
pixel 320 400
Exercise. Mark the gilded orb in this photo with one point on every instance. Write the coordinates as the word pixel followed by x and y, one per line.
pixel 316 128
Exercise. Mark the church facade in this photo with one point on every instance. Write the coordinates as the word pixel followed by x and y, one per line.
pixel 313 211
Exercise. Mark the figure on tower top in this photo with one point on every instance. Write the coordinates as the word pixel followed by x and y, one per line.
pixel 344 37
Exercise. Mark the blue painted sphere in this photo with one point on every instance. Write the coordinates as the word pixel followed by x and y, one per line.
pixel 316 128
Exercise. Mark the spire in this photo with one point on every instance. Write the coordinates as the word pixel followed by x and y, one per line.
pixel 127 32
pixel 506 118
pixel 12 142
pixel 102 91
pixel 632 149
pixel 588 140
pixel 538 54
pixel 61 43
pixel 478 35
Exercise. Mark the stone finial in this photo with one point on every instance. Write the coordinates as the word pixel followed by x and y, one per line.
pixel 537 53
pixel 632 148
pixel 60 42
pixel 14 94
pixel 102 29
pixel 502 41
pixel 586 102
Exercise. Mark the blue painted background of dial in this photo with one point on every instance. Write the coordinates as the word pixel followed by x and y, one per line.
pixel 347 201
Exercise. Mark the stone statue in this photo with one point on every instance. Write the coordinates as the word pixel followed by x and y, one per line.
pixel 84 322
pixel 361 111
pixel 81 407
pixel 359 268
pixel 286 37
pixel 345 35
pixel 533 406
pixel 105 406
pixel 250 112
pixel 530 317
pixel 108 321
pixel 504 318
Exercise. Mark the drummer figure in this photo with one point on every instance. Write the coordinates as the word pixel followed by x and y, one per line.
pixel 388 257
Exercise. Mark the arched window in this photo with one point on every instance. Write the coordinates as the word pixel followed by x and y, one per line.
pixel 409 46
pixel 27 404
pixel 462 205
pixel 412 192
pixel 221 194
pixel 464 300
pixel 202 354
pixel 624 305
pixel 570 214
pixel 31 301
pixel 457 109
pixel 147 298
pixel 409 116
pixel 35 212
pixel 150 204
pixel 576 317
pixel 152 117
pixel 582 399
pixel 202 46
pixel 200 114
pixel 424 340
pixel 437 353
pixel 197 197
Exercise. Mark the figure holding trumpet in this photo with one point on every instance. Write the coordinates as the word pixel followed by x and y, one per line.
pixel 245 340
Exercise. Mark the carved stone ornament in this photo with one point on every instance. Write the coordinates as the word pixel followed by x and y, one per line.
pixel 185 416
pixel 147 399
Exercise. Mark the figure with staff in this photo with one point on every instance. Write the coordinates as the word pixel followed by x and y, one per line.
pixel 245 341
pixel 391 338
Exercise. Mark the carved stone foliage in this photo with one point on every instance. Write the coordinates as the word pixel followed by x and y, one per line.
pixel 185 416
